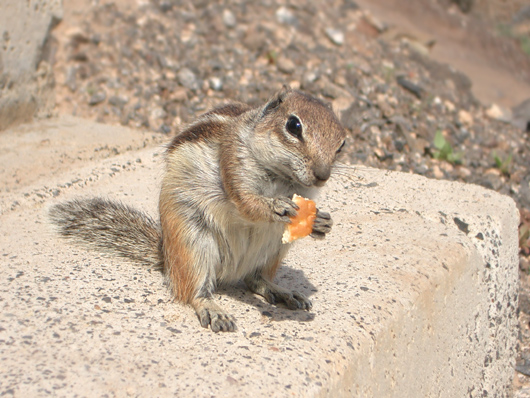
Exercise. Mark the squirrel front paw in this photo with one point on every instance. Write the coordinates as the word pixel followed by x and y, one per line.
pixel 282 209
pixel 322 225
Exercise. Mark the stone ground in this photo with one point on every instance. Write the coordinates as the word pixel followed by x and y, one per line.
pixel 154 65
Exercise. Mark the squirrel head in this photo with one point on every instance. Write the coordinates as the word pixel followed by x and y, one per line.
pixel 297 137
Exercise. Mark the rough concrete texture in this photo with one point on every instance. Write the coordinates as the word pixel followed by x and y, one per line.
pixel 414 291
pixel 26 78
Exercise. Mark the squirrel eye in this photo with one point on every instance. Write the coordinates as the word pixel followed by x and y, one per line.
pixel 341 146
pixel 294 126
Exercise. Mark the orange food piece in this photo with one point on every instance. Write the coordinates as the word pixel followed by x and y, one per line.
pixel 302 224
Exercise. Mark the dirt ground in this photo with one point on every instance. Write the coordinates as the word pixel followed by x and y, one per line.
pixel 468 42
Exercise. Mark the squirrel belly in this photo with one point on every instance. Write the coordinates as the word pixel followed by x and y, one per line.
pixel 224 202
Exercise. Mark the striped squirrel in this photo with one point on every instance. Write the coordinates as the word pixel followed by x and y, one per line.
pixel 224 202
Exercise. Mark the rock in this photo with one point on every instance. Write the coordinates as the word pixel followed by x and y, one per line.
pixel 420 47
pixel 186 78
pixel 524 265
pixel 286 16
pixel 498 113
pixel 449 106
pixel 341 104
pixel 331 90
pixel 376 23
pixel 465 118
pixel 255 40
pixel 383 104
pixel 118 101
pixel 157 113
pixel 229 19
pixel 77 36
pixel 463 172
pixel 216 83
pixel 521 115
pixel 71 78
pixel 166 6
pixel 335 35
pixel 414 88
pixel 437 173
pixel 492 179
pixel 285 65
pixel 309 77
pixel 464 5
pixel 97 98
pixel 418 145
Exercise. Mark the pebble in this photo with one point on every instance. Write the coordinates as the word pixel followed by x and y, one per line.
pixel 464 172
pixel 384 106
pixel 118 101
pixel 449 106
pixel 336 36
pixel 285 65
pixel 186 78
pixel 421 169
pixel 309 77
pixel 375 22
pixel 71 80
pixel 286 16
pixel 157 113
pixel 496 112
pixel 437 173
pixel 331 90
pixel 97 98
pixel 492 181
pixel 76 35
pixel 524 264
pixel 216 83
pixel 229 19
pixel 340 104
pixel 179 95
pixel 465 118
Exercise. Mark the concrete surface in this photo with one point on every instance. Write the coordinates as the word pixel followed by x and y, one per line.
pixel 26 78
pixel 414 291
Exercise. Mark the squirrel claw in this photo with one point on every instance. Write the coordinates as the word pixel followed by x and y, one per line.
pixel 219 320
pixel 293 300
pixel 322 225
pixel 283 208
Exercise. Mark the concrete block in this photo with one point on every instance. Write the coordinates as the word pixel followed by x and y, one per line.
pixel 26 78
pixel 414 293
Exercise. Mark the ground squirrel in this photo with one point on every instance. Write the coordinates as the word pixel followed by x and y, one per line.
pixel 224 201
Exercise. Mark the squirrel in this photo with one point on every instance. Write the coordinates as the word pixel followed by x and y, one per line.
pixel 224 202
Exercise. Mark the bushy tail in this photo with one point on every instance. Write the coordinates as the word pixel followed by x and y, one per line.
pixel 110 227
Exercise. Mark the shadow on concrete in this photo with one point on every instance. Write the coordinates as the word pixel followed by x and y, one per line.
pixel 287 277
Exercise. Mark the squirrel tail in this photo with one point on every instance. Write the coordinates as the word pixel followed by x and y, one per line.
pixel 110 227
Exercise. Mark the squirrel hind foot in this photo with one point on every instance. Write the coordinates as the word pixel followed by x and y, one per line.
pixel 274 294
pixel 210 314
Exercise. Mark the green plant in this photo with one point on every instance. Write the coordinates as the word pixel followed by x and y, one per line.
pixel 525 44
pixel 272 56
pixel 523 39
pixel 388 73
pixel 444 151
pixel 503 165
pixel 91 90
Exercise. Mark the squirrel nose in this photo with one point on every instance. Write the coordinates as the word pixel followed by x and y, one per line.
pixel 322 174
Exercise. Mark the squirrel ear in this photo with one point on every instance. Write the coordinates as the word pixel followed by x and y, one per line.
pixel 277 99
